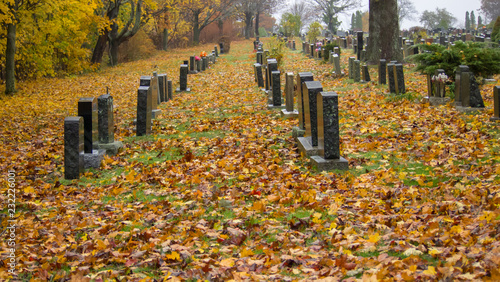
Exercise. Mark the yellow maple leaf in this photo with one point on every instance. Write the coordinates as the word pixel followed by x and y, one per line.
pixel 229 262
pixel 431 271
pixel 374 238
pixel 173 256
pixel 246 253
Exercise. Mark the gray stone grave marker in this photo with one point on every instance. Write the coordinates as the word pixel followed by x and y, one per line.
pixel 496 104
pixel 259 57
pixel 106 125
pixel 382 67
pixel 301 78
pixel 366 74
pixel 399 79
pixel 144 102
pixel 162 83
pixel 289 112
pixel 183 76
pixel 192 64
pixel 328 157
pixel 156 97
pixel 73 147
pixel 276 90
pixel 391 76
pixel 357 70
pixel 170 90
pixel 351 67
pixel 336 62
pixel 308 144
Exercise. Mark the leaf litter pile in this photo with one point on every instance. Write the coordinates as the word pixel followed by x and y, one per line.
pixel 220 192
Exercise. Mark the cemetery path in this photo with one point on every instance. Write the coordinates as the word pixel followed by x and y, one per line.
pixel 219 192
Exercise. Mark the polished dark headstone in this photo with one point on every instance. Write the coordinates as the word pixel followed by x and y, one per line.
pixel 192 65
pixel 144 102
pixel 391 77
pixel 105 119
pixel 360 44
pixel 357 70
pixel 276 78
pixel 382 67
pixel 366 74
pixel 496 104
pixel 73 147
pixel 311 89
pixel 162 83
pixel 259 57
pixel 258 73
pixel 170 90
pixel 87 109
pixel 301 78
pixel 183 76
pixel 399 79
pixel 272 65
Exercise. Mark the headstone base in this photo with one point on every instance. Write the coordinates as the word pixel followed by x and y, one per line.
pixel 289 115
pixel 111 148
pixel 326 165
pixel 338 74
pixel 271 106
pixel 179 90
pixel 437 101
pixel 468 110
pixel 193 72
pixel 155 113
pixel 305 147
pixel 93 159
pixel 494 119
pixel 297 132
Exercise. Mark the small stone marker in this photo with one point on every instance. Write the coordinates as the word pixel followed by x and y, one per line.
pixel 330 57
pixel 382 66
pixel 458 84
pixel 336 63
pixel 308 144
pixel 289 112
pixel 366 74
pixel 357 70
pixel 258 74
pixel 162 83
pixel 106 125
pixel 311 46
pixel 183 79
pixel 192 63
pixel 328 157
pixel 496 104
pixel 391 76
pixel 144 101
pixel 399 79
pixel 351 67
pixel 87 109
pixel 73 147
pixel 276 90
pixel 336 50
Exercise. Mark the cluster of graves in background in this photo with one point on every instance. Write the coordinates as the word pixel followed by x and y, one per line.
pixel 318 114
pixel 90 135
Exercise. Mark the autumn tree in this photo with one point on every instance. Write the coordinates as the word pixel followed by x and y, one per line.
pixel 467 20
pixel 330 10
pixel 440 18
pixel 491 9
pixel 290 24
pixel 314 31
pixel 246 11
pixel 264 7
pixel 303 14
pixel 384 31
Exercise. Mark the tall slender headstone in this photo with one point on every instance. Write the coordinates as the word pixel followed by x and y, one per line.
pixel 496 104
pixel 360 44
pixel 106 125
pixel 192 65
pixel 336 63
pixel 391 77
pixel 272 65
pixel 144 102
pixel 259 57
pixel 258 73
pixel 156 95
pixel 162 83
pixel 301 78
pixel 399 79
pixel 151 81
pixel 87 109
pixel 351 67
pixel 366 74
pixel 382 66
pixel 183 76
pixel 289 111
pixel 276 90
pixel 328 157
pixel 308 144
pixel 216 52
pixel 73 147
pixel 170 90
pixel 357 70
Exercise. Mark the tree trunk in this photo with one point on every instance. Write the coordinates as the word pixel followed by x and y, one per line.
pixel 10 56
pixel 248 25
pixel 196 28
pixel 99 49
pixel 384 32
pixel 220 24
pixel 257 16
pixel 165 39
pixel 113 52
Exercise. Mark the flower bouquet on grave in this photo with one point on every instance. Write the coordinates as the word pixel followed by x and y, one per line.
pixel 203 54
pixel 196 58
pixel 439 82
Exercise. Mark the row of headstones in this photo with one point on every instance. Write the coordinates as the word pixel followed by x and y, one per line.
pixel 203 63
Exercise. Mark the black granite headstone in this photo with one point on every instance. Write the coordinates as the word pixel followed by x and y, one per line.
pixel 183 76
pixel 399 79
pixel 73 147
pixel 272 65
pixel 301 78
pixel 192 65
pixel 162 83
pixel 392 78
pixel 216 52
pixel 144 102
pixel 360 44
pixel 382 66
pixel 259 57
pixel 328 125
pixel 258 73
pixel 105 119
pixel 170 90
pixel 87 109
pixel 276 75
pixel 311 88
pixel 496 103
pixel 366 74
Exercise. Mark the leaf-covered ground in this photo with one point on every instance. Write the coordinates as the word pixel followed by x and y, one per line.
pixel 220 192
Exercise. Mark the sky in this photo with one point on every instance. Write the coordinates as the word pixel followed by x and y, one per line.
pixel 456 7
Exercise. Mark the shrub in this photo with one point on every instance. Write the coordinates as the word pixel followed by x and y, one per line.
pixel 262 32
pixel 495 35
pixel 276 49
pixel 327 48
pixel 482 61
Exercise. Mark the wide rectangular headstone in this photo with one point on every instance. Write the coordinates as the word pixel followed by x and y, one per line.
pixel 399 79
pixel 391 77
pixel 382 66
pixel 310 90
pixel 87 109
pixel 105 119
pixel 144 102
pixel 73 147
pixel 301 78
pixel 183 76
pixel 258 73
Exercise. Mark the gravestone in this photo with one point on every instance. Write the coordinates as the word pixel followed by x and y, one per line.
pixel 183 79
pixel 144 102
pixel 328 157
pixel 311 46
pixel 198 65
pixel 272 65
pixel 308 144
pixel 366 74
pixel 192 64
pixel 149 81
pixel 351 67
pixel 336 63
pixel 391 77
pixel 73 147
pixel 458 84
pixel 293 45
pixel 156 96
pixel 357 70
pixel 289 112
pixel 382 66
pixel 276 90
pixel 203 64
pixel 437 88
pixel 87 109
pixel 170 90
pixel 162 83
pixel 470 93
pixel 106 125
pixel 496 104
pixel 336 50
pixel 259 57
pixel 258 73
pixel 216 52
pixel 330 57
pixel 399 79
pixel 360 44
pixel 301 78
